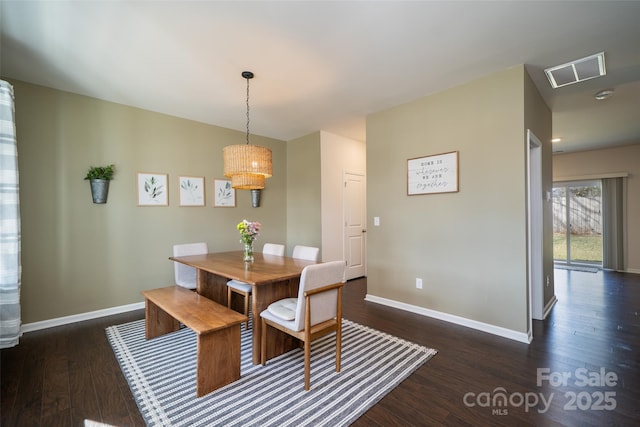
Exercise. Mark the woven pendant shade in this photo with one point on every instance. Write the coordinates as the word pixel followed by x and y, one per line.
pixel 247 166
pixel 247 181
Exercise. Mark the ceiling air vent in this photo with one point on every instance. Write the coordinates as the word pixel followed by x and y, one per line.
pixel 576 71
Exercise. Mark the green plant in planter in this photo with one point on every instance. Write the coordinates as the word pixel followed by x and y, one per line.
pixel 101 172
pixel 99 177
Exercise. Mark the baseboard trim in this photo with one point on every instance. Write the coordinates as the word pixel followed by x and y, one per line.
pixel 632 270
pixel 59 321
pixel 549 306
pixel 473 324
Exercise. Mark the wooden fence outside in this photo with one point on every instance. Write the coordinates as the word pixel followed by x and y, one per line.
pixel 584 216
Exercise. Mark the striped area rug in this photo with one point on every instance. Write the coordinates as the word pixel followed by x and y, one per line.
pixel 161 375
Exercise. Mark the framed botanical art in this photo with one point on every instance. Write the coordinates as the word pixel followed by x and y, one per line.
pixel 433 174
pixel 153 189
pixel 191 190
pixel 224 196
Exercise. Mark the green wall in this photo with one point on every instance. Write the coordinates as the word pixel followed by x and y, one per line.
pixel 469 247
pixel 304 224
pixel 79 257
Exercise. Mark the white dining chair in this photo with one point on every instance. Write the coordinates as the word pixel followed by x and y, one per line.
pixel 244 289
pixel 316 312
pixel 273 249
pixel 185 276
pixel 309 253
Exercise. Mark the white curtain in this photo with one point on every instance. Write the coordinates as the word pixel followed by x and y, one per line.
pixel 612 224
pixel 10 267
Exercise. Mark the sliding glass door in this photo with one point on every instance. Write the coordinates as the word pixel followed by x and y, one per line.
pixel 577 223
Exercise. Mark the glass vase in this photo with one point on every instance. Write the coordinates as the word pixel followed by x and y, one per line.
pixel 248 252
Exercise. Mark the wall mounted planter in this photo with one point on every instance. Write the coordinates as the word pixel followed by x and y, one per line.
pixel 99 177
pixel 255 198
pixel 99 190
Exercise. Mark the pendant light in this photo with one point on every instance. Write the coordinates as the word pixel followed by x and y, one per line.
pixel 247 165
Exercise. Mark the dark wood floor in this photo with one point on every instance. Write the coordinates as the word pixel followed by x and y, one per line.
pixel 64 375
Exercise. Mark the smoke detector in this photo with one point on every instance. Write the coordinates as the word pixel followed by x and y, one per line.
pixel 577 71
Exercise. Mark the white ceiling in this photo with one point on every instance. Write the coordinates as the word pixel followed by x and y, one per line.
pixel 325 65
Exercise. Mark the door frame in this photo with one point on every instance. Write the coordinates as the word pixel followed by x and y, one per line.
pixel 535 234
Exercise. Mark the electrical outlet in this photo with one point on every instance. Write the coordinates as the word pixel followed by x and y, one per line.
pixel 547 280
pixel 376 221
pixel 418 283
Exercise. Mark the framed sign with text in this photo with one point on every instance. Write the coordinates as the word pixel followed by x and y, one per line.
pixel 433 174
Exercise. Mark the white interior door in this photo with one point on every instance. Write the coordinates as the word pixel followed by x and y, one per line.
pixel 354 225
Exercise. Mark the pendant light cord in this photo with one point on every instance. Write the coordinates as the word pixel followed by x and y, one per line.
pixel 247 110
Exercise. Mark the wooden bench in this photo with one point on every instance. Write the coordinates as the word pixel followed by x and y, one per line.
pixel 217 328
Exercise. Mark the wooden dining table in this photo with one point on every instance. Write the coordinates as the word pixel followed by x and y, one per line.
pixel 271 278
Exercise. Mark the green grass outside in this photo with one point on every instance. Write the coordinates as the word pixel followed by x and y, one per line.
pixel 583 248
